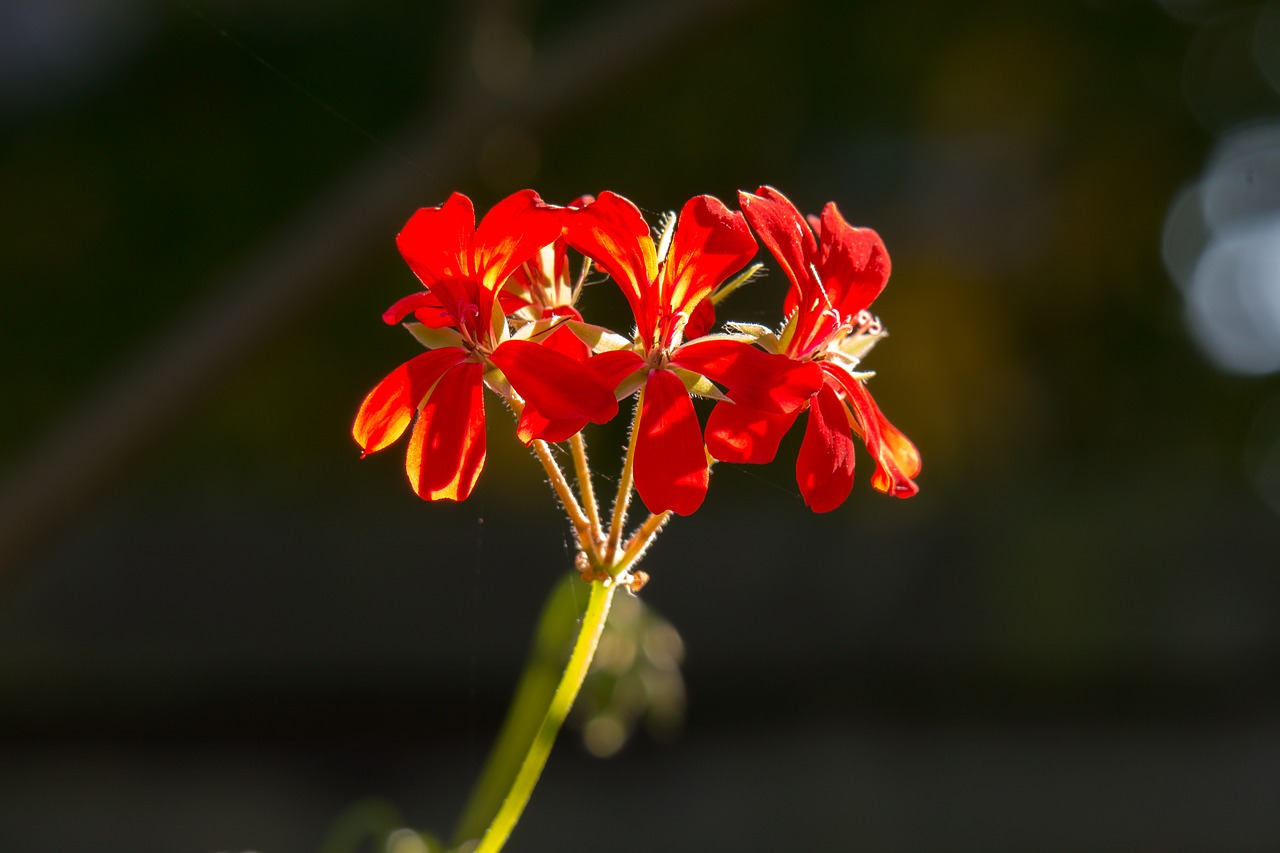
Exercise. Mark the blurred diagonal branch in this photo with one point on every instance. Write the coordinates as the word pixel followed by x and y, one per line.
pixel 307 258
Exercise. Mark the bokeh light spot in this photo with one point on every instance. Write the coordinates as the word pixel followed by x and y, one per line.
pixel 1222 247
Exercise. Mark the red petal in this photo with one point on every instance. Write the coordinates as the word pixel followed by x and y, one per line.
pixel 612 232
pixel 512 301
pixel 511 233
pixel 855 264
pixel 389 407
pixel 436 241
pixel 463 301
pixel 564 341
pixel 711 243
pixel 824 468
pixel 609 367
pixel 670 462
pixel 424 305
pixel 701 321
pixel 784 233
pixel 533 425
pixel 556 385
pixel 737 433
pixel 752 376
pixel 566 311
pixel 614 366
pixel 897 460
pixel 900 448
pixel 447 449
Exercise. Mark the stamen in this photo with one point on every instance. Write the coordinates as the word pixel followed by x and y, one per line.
pixel 861 337
pixel 869 324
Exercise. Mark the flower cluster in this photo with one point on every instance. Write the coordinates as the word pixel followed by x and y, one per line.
pixel 498 310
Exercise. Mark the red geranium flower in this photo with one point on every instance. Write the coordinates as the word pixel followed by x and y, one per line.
pixel 542 287
pixel 709 244
pixel 835 277
pixel 541 294
pixel 463 267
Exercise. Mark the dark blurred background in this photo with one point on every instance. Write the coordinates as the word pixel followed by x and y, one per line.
pixel 222 631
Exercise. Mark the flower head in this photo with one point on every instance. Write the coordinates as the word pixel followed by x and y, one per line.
pixel 836 271
pixel 709 244
pixel 460 318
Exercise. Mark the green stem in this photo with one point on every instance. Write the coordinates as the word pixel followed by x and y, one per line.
pixel 552 638
pixel 584 649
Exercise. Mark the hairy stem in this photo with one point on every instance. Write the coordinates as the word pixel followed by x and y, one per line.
pixel 582 469
pixel 623 500
pixel 640 541
pixel 581 524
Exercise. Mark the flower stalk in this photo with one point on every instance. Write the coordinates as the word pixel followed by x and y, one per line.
pixel 640 541
pixel 575 672
pixel 582 524
pixel 503 777
pixel 582 468
pixel 623 501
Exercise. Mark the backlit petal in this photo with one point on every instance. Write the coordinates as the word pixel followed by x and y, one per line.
pixel 854 265
pixel 424 306
pixel 751 376
pixel 389 407
pixel 614 366
pixel 461 300
pixel 564 341
pixel 447 449
pixel 556 385
pixel 784 233
pixel 609 367
pixel 612 232
pixel 511 233
pixel 670 461
pixel 710 244
pixel 824 467
pixel 900 448
pixel 533 425
pixel 897 460
pixel 436 241
pixel 511 300
pixel 737 433
pixel 701 321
